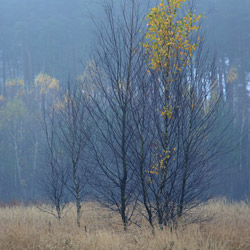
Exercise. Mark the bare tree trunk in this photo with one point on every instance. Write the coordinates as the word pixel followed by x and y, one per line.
pixel 125 175
pixel 4 73
pixel 78 209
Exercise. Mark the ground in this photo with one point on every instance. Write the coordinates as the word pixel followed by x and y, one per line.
pixel 224 226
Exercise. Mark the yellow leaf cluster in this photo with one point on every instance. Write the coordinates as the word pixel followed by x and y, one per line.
pixel 46 83
pixel 161 161
pixel 169 46
pixel 15 82
pixel 60 104
pixel 232 74
pixel 169 36
pixel 167 111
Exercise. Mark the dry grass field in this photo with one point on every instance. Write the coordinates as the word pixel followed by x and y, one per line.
pixel 28 228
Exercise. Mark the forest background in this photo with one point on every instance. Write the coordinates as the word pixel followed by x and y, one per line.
pixel 44 45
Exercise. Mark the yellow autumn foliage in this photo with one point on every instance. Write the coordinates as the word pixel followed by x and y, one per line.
pixel 169 46
pixel 232 74
pixel 15 82
pixel 169 35
pixel 46 83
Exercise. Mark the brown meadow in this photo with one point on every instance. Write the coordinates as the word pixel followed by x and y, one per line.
pixel 25 227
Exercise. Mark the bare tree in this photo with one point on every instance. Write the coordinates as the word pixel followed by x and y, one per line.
pixel 195 133
pixel 53 177
pixel 114 79
pixel 74 133
pixel 164 162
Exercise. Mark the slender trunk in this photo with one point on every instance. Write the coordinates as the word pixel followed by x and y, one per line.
pixel 4 74
pixel 184 179
pixel 78 209
pixel 78 196
pixel 124 127
pixel 17 165
pixel 142 175
pixel 59 212
pixel 30 74
pixel 124 179
pixel 165 153
pixel 34 167
pixel 24 65
pixel 221 80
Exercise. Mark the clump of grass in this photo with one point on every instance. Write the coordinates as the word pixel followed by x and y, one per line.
pixel 28 228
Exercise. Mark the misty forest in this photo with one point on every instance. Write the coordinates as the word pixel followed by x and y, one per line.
pixel 141 107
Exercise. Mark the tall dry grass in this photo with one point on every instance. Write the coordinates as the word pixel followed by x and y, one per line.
pixel 29 228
